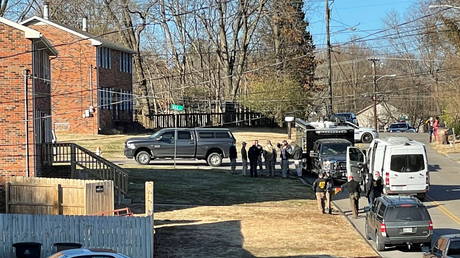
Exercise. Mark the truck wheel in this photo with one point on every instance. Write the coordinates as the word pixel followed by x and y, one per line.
pixel 214 159
pixel 143 158
pixel 367 138
pixel 379 244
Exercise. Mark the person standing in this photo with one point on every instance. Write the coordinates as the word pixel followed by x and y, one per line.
pixel 244 159
pixel 233 155
pixel 269 152
pixel 284 155
pixel 319 187
pixel 297 156
pixel 436 129
pixel 253 155
pixel 429 125
pixel 329 192
pixel 354 191
pixel 259 159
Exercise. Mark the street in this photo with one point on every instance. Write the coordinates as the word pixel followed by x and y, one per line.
pixel 443 200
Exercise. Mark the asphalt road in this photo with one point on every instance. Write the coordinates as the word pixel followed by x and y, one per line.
pixel 443 199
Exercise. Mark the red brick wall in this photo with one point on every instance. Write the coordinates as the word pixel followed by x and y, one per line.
pixel 12 117
pixel 72 91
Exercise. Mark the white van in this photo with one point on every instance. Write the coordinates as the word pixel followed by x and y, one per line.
pixel 402 164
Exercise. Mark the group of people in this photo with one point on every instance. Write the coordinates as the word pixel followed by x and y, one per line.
pixel 433 128
pixel 258 156
pixel 324 190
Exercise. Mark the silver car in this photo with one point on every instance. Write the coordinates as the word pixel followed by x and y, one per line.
pixel 88 253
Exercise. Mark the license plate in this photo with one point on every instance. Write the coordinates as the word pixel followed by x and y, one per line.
pixel 407 230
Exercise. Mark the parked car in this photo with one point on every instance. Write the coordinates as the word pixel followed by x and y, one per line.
pixel 88 253
pixel 210 144
pixel 363 134
pixel 446 246
pixel 329 156
pixel 347 116
pixel 401 127
pixel 398 220
pixel 402 163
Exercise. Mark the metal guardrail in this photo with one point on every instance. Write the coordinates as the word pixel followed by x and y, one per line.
pixel 81 159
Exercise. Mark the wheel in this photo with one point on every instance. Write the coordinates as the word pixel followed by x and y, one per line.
pixel 366 232
pixel 367 138
pixel 421 196
pixel 379 244
pixel 143 157
pixel 214 159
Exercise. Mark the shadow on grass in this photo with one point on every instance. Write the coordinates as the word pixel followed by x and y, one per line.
pixel 186 188
pixel 219 239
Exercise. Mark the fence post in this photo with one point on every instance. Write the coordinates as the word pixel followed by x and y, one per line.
pixel 73 161
pixel 59 200
pixel 149 198
pixel 7 197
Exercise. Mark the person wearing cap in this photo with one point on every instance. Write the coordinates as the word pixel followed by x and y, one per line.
pixel 354 191
pixel 319 187
pixel 244 159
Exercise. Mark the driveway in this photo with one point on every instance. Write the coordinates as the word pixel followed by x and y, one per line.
pixel 443 198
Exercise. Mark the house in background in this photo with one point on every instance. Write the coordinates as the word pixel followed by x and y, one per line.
pixel 92 79
pixel 25 108
pixel 386 114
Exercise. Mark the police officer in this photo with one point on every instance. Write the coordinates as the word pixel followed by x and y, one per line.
pixel 319 187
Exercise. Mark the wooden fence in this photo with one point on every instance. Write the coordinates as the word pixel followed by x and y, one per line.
pixel 225 119
pixel 132 236
pixel 33 195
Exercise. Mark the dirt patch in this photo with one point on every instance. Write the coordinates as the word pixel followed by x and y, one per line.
pixel 269 229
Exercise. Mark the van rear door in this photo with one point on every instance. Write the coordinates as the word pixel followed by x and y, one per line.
pixel 407 172
pixel 355 162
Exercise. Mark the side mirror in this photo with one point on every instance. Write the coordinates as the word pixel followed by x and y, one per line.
pixel 313 154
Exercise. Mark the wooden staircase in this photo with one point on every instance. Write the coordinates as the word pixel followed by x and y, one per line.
pixel 83 164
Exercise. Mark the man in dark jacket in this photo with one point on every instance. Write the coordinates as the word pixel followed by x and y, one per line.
pixel 244 159
pixel 374 189
pixel 297 157
pixel 253 155
pixel 319 187
pixel 232 154
pixel 354 191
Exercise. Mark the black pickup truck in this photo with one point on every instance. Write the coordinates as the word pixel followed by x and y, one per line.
pixel 210 144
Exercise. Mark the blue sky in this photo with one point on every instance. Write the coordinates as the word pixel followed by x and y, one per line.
pixel 352 17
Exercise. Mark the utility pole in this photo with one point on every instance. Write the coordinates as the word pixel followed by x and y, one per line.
pixel 374 60
pixel 329 61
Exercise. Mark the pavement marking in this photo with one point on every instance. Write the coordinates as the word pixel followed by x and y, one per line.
pixel 444 210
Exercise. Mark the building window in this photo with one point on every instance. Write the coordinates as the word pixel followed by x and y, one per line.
pixel 115 99
pixel 126 62
pixel 104 58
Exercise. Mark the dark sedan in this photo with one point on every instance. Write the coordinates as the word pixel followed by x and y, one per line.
pixel 401 127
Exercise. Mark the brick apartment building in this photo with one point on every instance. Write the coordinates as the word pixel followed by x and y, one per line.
pixel 92 79
pixel 24 85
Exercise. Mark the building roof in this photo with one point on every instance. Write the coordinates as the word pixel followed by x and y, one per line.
pixel 30 33
pixel 95 40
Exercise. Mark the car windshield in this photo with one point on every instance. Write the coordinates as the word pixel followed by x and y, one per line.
pixel 454 248
pixel 334 149
pixel 407 163
pixel 398 126
pixel 409 213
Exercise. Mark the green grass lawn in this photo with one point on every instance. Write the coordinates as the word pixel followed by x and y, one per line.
pixel 212 187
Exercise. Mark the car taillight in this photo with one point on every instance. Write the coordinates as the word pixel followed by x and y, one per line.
pixel 430 225
pixel 383 229
pixel 387 178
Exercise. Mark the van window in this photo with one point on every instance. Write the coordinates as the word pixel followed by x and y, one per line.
pixel 407 163
pixel 184 135
pixel 411 213
pixel 381 210
pixel 223 135
pixel 206 135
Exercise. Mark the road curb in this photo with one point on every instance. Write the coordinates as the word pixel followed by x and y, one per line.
pixel 348 219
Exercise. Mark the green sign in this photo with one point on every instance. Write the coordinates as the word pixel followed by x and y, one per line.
pixel 176 107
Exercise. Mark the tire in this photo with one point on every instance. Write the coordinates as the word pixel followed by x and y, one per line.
pixel 214 159
pixel 379 244
pixel 367 138
pixel 143 158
